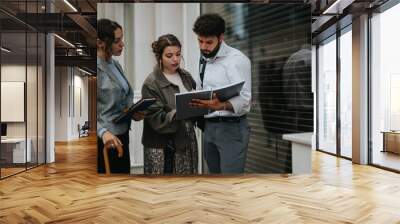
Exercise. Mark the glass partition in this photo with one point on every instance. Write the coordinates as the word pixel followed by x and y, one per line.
pixel 385 89
pixel 14 153
pixel 31 98
pixel 22 89
pixel 346 92
pixel 41 97
pixel 327 95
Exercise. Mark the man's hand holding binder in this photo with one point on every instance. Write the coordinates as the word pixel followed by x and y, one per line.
pixel 214 104
pixel 200 103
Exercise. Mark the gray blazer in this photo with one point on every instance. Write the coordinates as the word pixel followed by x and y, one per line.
pixel 159 126
pixel 112 99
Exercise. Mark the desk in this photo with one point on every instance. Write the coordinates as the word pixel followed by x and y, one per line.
pixel 301 151
pixel 13 150
pixel 391 141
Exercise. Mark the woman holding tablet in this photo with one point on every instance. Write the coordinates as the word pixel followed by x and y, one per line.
pixel 114 95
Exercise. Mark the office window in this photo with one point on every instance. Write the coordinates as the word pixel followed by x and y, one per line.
pixel 327 95
pixel 346 92
pixel 385 88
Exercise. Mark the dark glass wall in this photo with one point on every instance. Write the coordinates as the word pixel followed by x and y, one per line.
pixel 276 38
pixel 22 77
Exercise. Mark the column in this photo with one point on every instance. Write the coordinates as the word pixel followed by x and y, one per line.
pixel 360 90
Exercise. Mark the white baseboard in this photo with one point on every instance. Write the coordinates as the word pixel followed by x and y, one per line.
pixel 137 170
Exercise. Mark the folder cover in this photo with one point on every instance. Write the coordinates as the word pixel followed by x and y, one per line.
pixel 184 111
pixel 139 106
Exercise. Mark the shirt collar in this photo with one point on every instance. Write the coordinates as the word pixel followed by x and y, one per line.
pixel 222 52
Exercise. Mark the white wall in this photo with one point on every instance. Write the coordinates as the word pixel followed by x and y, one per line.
pixel 14 73
pixel 33 126
pixel 143 58
pixel 61 103
pixel 142 24
pixel 50 93
pixel 81 108
pixel 17 73
pixel 68 82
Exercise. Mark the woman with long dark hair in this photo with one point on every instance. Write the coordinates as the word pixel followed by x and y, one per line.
pixel 114 95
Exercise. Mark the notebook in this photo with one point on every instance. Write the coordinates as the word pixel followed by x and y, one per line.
pixel 182 100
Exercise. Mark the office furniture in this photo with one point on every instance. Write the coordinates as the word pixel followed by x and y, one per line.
pixel 13 150
pixel 84 130
pixel 391 141
pixel 301 151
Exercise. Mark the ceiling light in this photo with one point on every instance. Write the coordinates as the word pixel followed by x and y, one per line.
pixel 70 5
pixel 5 50
pixel 338 6
pixel 84 71
pixel 65 41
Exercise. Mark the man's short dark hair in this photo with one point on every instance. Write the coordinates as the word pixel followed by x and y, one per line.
pixel 209 25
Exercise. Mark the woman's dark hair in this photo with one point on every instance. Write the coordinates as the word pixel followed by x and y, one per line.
pixel 164 41
pixel 209 25
pixel 105 32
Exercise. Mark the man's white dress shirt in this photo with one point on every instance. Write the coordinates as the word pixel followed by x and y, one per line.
pixel 227 67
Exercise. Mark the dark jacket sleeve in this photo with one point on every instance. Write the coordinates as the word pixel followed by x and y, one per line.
pixel 159 116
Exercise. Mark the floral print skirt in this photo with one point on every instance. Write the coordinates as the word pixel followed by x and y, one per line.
pixel 160 161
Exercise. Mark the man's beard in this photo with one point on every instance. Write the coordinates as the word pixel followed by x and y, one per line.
pixel 212 53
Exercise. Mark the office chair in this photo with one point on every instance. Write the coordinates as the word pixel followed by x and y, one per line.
pixel 84 130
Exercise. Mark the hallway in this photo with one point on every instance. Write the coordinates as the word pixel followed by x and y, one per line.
pixel 70 191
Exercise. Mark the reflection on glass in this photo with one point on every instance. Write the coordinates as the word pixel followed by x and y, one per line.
pixel 13 82
pixel 41 99
pixel 394 101
pixel 23 87
pixel 31 101
pixel 275 38
pixel 346 94
pixel 385 114
pixel 327 96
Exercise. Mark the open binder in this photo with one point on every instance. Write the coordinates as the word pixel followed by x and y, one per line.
pixel 182 100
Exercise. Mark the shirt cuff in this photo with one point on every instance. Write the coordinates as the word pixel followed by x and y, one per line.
pixel 238 104
pixel 101 132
